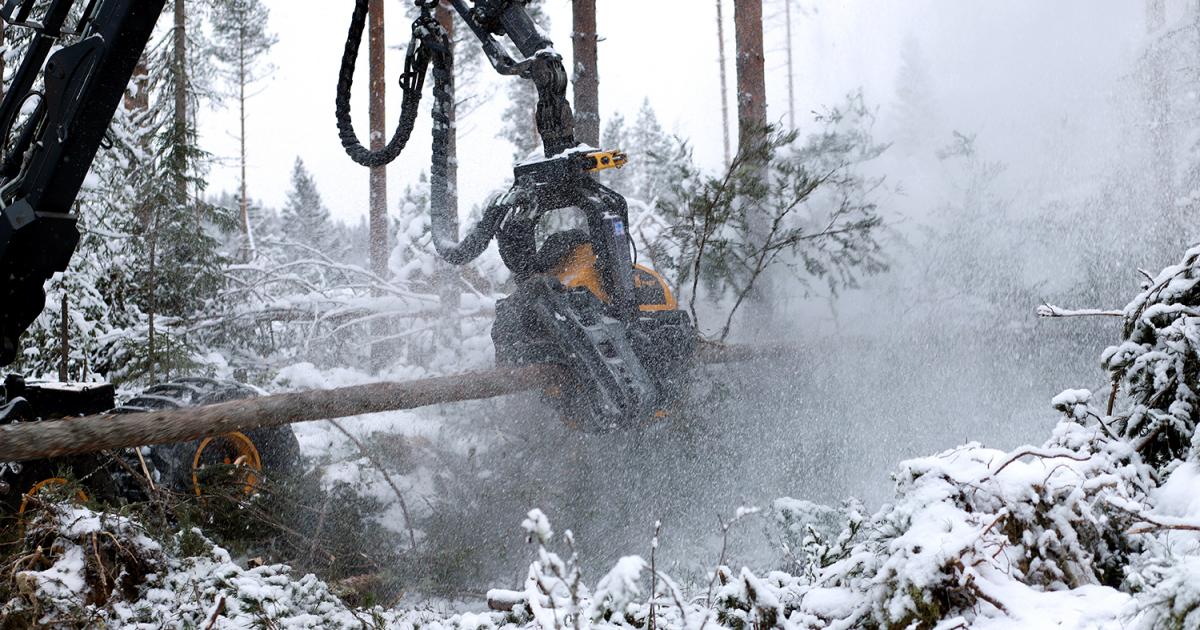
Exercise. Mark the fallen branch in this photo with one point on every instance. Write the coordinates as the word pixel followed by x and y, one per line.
pixel 1050 310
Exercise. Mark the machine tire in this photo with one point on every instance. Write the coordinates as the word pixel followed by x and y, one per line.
pixel 277 446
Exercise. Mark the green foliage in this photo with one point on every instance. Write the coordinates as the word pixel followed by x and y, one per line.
pixel 1158 367
pixel 806 206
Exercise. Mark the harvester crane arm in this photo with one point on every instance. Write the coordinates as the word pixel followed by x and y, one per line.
pixel 581 302
pixel 47 156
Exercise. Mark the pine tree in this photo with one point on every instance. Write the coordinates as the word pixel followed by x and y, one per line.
pixel 175 264
pixel 240 41
pixel 587 76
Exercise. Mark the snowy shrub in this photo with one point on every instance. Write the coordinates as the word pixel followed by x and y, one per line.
pixel 1159 366
pixel 814 536
pixel 74 562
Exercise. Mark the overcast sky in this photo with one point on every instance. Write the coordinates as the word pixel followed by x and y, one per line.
pixel 1003 68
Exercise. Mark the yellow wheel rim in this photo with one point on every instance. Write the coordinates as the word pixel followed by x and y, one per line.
pixel 80 495
pixel 233 449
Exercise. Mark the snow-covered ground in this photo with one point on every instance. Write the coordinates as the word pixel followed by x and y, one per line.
pixel 1098 526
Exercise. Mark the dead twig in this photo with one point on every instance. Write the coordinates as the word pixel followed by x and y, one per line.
pixel 100 568
pixel 220 610
pixel 1048 310
pixel 412 536
pixel 1041 454
pixel 653 621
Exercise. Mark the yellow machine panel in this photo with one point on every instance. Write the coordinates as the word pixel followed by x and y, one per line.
pixel 578 269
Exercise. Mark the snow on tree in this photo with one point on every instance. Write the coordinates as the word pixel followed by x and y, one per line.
pixel 174 266
pixel 306 220
pixel 88 325
pixel 651 153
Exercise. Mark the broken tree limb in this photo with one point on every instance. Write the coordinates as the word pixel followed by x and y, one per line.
pixel 1051 311
pixel 90 434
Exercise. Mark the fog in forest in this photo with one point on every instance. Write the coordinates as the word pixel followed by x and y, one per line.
pixel 986 159
pixel 1020 170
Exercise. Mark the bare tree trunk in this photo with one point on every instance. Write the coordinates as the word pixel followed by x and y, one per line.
pixel 724 82
pixel 448 276
pixel 787 9
pixel 445 17
pixel 180 69
pixel 152 302
pixel 752 126
pixel 378 178
pixel 587 78
pixel 247 229
pixel 64 339
pixel 751 71
pixel 378 115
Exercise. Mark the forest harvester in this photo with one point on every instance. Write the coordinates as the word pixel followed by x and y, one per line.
pixel 612 327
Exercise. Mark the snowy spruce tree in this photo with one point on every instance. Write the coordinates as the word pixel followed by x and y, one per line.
pixel 305 218
pixel 652 154
pixel 917 120
pixel 175 267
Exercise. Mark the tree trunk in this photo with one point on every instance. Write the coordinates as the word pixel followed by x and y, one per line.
pixel 587 77
pixel 179 129
pixel 791 70
pixel 752 127
pixel 247 229
pixel 378 178
pixel 378 122
pixel 38 440
pixel 106 432
pixel 724 82
pixel 751 72
pixel 152 302
pixel 180 67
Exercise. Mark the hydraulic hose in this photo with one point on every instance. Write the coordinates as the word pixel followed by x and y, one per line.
pixel 408 112
pixel 441 223
pixel 430 43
